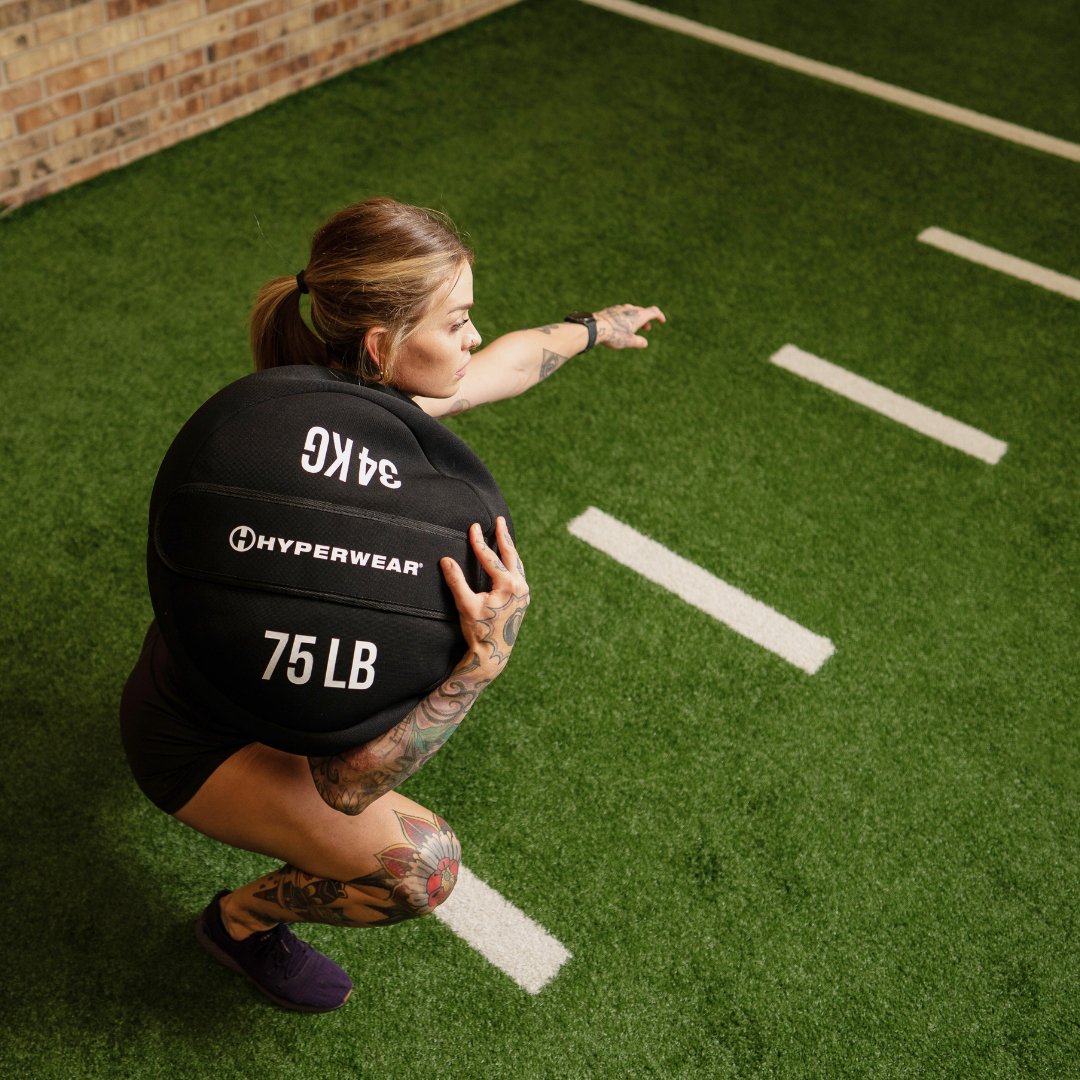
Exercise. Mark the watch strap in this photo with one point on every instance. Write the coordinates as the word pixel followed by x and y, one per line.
pixel 588 320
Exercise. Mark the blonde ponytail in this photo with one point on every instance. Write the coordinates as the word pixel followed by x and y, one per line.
pixel 278 332
pixel 379 263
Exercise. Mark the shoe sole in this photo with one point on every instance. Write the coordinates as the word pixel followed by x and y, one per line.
pixel 226 960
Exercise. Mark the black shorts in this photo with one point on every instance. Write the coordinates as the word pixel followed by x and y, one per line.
pixel 172 743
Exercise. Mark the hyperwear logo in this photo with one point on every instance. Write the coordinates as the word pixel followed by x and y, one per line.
pixel 243 538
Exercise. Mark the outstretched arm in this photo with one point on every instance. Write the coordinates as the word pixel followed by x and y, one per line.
pixel 515 362
pixel 354 779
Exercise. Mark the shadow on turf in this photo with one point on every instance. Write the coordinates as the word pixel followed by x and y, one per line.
pixel 102 957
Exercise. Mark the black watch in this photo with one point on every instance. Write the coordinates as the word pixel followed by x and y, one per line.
pixel 588 320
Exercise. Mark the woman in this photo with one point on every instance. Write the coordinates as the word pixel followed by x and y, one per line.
pixel 391 292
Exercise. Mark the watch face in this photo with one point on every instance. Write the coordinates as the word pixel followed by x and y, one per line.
pixel 580 316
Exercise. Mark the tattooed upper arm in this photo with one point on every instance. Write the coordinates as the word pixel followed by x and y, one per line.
pixel 354 779
pixel 329 782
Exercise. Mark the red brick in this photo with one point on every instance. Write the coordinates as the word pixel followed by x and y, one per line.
pixel 221 50
pixel 21 149
pixel 40 190
pixel 189 106
pixel 47 7
pixel 203 32
pixel 259 13
pixel 329 52
pixel 40 115
pixel 125 84
pixel 78 75
pixel 66 24
pixel 224 92
pixel 196 126
pixel 423 15
pixel 77 126
pixel 23 94
pixel 141 55
pixel 37 61
pixel 263 58
pixel 175 65
pixel 44 166
pixel 136 104
pixel 151 145
pixel 165 20
pixel 92 168
pixel 234 57
pixel 110 36
pixel 194 83
pixel 122 133
pixel 17 41
pixel 14 14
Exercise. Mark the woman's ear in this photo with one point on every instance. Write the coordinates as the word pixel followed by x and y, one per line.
pixel 373 342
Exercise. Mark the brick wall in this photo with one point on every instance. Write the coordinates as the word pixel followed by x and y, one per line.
pixel 87 85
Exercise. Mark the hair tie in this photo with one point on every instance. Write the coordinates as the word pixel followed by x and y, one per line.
pixel 301 284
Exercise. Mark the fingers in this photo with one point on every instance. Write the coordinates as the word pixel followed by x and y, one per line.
pixel 490 620
pixel 506 560
pixel 487 557
pixel 496 564
pixel 625 325
pixel 510 557
pixel 459 586
pixel 646 317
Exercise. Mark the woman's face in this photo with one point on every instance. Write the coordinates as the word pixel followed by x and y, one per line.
pixel 433 360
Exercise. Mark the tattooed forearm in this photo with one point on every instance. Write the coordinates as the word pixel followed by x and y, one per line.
pixel 352 780
pixel 550 363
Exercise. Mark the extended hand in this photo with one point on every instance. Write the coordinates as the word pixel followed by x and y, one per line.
pixel 618 326
pixel 490 621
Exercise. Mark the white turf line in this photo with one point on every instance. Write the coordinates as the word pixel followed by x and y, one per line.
pixel 862 84
pixel 742 613
pixel 903 410
pixel 502 934
pixel 999 260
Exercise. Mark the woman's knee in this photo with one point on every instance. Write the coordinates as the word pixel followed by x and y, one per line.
pixel 415 874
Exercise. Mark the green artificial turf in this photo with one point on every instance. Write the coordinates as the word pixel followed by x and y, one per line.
pixel 867 872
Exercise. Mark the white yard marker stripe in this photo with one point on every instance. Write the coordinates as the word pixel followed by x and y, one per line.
pixel 999 260
pixel 506 937
pixel 901 409
pixel 742 613
pixel 862 84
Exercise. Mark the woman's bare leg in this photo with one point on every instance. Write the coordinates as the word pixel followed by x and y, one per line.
pixel 394 861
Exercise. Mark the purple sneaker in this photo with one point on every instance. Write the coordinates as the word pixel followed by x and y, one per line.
pixel 287 970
